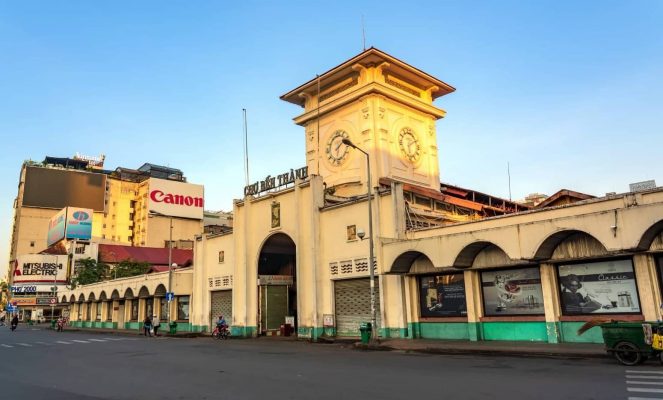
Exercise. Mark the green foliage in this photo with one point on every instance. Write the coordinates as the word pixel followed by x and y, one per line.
pixel 90 271
pixel 129 268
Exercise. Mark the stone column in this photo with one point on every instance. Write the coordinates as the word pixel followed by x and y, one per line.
pixel 474 305
pixel 646 277
pixel 551 303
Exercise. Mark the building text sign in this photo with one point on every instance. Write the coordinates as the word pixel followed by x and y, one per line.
pixel 41 268
pixel 176 199
pixel 273 182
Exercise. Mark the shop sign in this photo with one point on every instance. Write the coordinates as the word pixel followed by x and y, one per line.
pixel 46 300
pixel 56 227
pixel 512 292
pixel 24 301
pixel 176 199
pixel 265 280
pixel 41 268
pixel 275 182
pixel 442 296
pixel 606 287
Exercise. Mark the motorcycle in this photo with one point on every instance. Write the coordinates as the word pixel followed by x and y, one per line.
pixel 13 327
pixel 223 333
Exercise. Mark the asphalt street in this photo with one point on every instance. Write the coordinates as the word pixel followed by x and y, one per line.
pixel 42 364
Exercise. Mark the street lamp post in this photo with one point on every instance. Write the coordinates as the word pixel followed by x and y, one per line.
pixel 371 271
pixel 170 258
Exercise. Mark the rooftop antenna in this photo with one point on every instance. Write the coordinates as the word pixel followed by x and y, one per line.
pixel 246 149
pixel 363 32
pixel 508 172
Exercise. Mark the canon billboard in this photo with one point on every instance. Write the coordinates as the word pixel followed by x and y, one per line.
pixel 176 199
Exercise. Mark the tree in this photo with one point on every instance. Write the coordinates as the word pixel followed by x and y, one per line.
pixel 90 271
pixel 127 268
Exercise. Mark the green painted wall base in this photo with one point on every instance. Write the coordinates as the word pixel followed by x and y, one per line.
pixel 569 333
pixel 553 330
pixel 244 331
pixel 310 332
pixel 393 332
pixel 526 331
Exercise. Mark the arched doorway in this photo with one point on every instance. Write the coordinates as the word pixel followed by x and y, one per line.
pixel 277 291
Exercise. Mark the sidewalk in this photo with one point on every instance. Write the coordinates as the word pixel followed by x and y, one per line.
pixel 501 348
pixel 128 332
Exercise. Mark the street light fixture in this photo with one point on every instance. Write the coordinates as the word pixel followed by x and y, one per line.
pixel 374 335
pixel 170 256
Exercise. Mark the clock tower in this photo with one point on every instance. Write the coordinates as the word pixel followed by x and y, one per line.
pixel 382 105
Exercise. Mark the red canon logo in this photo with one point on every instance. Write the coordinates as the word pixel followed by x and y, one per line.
pixel 169 198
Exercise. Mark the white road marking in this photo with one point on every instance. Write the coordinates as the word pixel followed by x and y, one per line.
pixel 643 383
pixel 97 340
pixel 79 341
pixel 644 377
pixel 644 398
pixel 6 345
pixel 113 338
pixel 44 343
pixel 62 342
pixel 24 344
pixel 644 390
pixel 643 371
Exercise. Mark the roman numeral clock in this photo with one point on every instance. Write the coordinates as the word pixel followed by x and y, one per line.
pixel 410 146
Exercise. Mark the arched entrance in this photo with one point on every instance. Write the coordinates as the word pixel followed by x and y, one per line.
pixel 277 291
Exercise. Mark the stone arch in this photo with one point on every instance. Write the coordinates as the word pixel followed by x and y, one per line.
pixel 128 294
pixel 160 291
pixel 406 261
pixel 570 243
pixel 115 295
pixel 64 299
pixel 91 297
pixel 651 234
pixel 72 299
pixel 492 256
pixel 81 298
pixel 143 292
pixel 466 257
pixel 102 296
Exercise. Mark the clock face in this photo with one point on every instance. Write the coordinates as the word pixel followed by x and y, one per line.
pixel 337 151
pixel 409 144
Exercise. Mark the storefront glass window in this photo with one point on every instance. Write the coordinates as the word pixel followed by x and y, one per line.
pixel 88 309
pixel 442 296
pixel 134 310
pixel 109 311
pixel 605 287
pixel 98 315
pixel 512 292
pixel 183 308
pixel 149 307
pixel 164 309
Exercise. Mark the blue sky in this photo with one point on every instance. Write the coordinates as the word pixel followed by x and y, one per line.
pixel 567 92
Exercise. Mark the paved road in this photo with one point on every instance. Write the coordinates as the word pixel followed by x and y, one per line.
pixel 42 364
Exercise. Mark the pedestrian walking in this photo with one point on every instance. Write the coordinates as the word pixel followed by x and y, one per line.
pixel 156 324
pixel 147 326
pixel 14 323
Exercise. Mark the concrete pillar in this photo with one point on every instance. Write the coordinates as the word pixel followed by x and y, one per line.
pixel 551 302
pixel 646 277
pixel 141 309
pixel 474 305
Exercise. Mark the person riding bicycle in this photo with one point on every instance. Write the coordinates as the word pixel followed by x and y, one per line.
pixel 221 324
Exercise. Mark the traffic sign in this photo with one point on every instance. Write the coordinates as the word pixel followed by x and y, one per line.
pixel 53 301
pixel 170 296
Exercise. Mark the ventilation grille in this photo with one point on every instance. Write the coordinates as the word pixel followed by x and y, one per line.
pixel 220 281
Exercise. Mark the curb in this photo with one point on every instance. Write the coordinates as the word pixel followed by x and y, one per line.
pixel 483 352
pixel 134 333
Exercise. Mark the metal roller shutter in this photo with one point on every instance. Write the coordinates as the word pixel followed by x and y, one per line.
pixel 221 304
pixel 352 299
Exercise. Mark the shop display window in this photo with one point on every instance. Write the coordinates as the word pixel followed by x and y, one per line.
pixel 604 287
pixel 183 308
pixel 512 292
pixel 442 296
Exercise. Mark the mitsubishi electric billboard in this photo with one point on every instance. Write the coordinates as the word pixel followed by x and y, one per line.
pixel 70 223
pixel 176 199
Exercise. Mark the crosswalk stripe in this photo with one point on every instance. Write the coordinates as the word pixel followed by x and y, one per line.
pixel 644 390
pixel 62 342
pixel 6 345
pixel 79 341
pixel 44 343
pixel 644 377
pixel 644 398
pixel 643 371
pixel 97 340
pixel 643 383
pixel 24 344
pixel 113 338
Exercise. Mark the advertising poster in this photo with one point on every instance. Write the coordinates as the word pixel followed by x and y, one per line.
pixel 79 223
pixel 56 227
pixel 512 292
pixel 41 268
pixel 606 287
pixel 176 199
pixel 442 296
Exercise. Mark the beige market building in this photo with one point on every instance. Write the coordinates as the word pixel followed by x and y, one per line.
pixel 449 263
